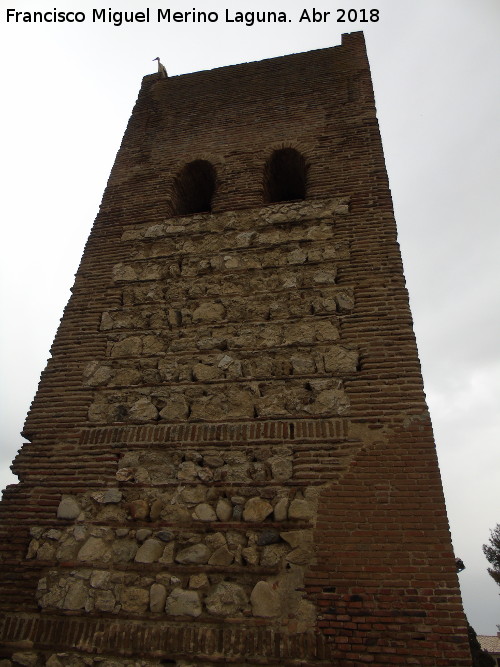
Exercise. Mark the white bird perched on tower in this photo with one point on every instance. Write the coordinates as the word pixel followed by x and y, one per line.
pixel 162 71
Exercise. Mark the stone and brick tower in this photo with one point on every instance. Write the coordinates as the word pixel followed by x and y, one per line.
pixel 229 456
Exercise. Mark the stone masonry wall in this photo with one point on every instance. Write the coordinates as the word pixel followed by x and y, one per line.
pixel 229 456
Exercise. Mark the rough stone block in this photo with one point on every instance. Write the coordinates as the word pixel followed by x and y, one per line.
pixel 195 554
pixel 204 512
pixel 221 556
pixel 183 603
pixel 224 510
pixel 301 509
pixel 94 549
pixel 256 509
pixel 226 599
pixel 281 510
pixel 76 597
pixel 68 509
pixel 134 600
pixel 157 597
pixel 149 552
pixel 265 600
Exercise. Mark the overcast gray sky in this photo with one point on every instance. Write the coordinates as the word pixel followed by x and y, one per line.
pixel 68 92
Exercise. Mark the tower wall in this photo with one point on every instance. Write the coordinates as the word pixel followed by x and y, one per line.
pixel 230 458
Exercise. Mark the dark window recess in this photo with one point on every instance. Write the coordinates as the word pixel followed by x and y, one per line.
pixel 194 188
pixel 285 176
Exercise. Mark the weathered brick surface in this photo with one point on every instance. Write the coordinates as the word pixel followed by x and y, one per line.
pixel 230 459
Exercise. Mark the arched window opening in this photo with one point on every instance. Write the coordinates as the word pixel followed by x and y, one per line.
pixel 194 188
pixel 285 176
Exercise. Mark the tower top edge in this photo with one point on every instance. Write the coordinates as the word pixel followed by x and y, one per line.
pixel 353 41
